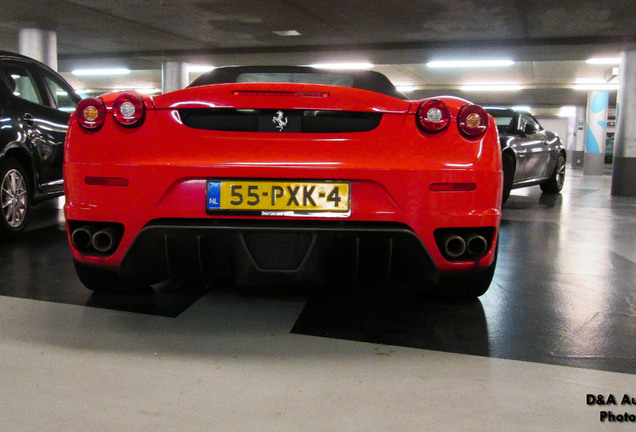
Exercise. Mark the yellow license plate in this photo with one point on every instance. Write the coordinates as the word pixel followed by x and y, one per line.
pixel 260 195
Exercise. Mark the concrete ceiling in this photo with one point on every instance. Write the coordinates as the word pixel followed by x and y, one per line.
pixel 549 40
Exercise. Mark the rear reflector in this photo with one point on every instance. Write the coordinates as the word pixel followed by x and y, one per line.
pixel 453 187
pixel 106 181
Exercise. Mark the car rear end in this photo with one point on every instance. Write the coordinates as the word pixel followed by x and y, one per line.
pixel 271 183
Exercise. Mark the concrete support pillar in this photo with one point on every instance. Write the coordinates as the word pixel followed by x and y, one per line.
pixel 578 151
pixel 39 44
pixel 595 127
pixel 624 170
pixel 174 76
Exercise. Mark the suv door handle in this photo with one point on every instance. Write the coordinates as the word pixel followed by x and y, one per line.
pixel 28 119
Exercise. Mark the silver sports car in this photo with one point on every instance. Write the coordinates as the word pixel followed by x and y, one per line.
pixel 531 155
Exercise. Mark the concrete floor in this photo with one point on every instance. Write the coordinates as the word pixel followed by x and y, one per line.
pixel 557 325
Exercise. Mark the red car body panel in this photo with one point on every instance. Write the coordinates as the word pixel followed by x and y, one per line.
pixel 391 169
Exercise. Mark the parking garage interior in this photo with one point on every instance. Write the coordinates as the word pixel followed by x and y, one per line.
pixel 557 325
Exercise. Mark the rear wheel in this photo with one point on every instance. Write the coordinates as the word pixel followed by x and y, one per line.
pixel 100 280
pixel 555 183
pixel 15 198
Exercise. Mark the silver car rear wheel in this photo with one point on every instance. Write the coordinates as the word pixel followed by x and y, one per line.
pixel 555 183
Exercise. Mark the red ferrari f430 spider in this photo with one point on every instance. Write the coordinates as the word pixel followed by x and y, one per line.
pixel 279 175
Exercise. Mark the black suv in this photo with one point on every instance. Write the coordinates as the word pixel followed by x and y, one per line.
pixel 35 105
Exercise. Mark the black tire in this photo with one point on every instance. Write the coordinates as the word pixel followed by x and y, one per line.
pixel 465 287
pixel 555 183
pixel 15 198
pixel 105 281
pixel 508 164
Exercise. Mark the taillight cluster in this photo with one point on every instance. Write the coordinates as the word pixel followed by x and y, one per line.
pixel 91 113
pixel 434 115
pixel 472 120
pixel 128 110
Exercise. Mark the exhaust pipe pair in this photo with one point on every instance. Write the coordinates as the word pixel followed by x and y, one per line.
pixel 103 241
pixel 455 246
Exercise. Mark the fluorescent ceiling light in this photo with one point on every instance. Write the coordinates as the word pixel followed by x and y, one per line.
pixel 343 66
pixel 521 108
pixel 147 90
pixel 143 90
pixel 469 63
pixel 596 86
pixel 105 71
pixel 287 33
pixel 199 68
pixel 491 87
pixel 603 60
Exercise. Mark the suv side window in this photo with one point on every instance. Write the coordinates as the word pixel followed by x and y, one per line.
pixel 21 83
pixel 62 95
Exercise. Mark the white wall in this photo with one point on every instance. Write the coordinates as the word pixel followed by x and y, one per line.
pixel 557 125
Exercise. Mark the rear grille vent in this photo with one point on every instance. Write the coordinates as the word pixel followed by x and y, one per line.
pixel 257 120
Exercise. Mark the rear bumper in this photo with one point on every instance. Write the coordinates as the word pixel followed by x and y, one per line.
pixel 383 199
pixel 275 252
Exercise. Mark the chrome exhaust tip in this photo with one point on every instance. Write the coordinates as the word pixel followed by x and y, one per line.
pixel 82 237
pixel 105 240
pixel 454 246
pixel 476 245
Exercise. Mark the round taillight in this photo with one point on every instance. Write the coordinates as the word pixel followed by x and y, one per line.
pixel 472 120
pixel 433 115
pixel 129 109
pixel 91 113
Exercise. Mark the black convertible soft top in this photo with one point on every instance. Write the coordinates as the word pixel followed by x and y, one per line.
pixel 361 79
